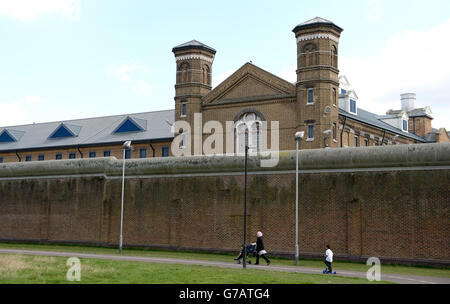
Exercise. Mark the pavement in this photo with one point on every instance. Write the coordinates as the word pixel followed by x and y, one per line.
pixel 394 278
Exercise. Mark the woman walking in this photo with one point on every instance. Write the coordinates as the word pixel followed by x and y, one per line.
pixel 260 249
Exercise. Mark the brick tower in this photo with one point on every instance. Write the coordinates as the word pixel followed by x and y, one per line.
pixel 318 82
pixel 193 81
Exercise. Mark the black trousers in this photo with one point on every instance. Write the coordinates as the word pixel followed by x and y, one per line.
pixel 263 256
pixel 330 269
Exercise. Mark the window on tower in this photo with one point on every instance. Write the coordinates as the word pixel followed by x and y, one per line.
pixel 310 96
pixel 310 132
pixel 183 110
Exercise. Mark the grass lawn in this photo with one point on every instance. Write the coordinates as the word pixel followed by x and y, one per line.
pixel 29 269
pixel 391 269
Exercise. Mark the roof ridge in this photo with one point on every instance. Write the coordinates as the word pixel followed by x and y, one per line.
pixel 88 118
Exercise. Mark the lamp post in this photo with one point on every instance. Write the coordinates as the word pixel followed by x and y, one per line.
pixel 126 146
pixel 244 264
pixel 298 137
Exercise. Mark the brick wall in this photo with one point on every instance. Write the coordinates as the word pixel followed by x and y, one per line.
pixel 388 202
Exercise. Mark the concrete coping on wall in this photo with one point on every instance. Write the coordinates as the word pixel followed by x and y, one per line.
pixel 348 159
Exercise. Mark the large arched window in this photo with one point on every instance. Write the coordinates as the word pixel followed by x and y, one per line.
pixel 249 125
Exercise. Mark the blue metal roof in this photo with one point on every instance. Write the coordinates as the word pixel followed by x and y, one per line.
pixel 90 131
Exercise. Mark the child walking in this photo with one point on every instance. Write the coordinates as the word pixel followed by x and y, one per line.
pixel 329 259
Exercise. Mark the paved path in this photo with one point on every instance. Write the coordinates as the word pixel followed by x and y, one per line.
pixel 395 278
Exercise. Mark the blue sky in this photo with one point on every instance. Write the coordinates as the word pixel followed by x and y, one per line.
pixel 68 59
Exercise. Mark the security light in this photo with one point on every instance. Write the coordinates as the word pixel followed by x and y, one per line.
pixel 327 132
pixel 299 135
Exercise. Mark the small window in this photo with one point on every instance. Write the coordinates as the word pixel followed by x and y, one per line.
pixel 405 125
pixel 183 140
pixel 310 132
pixel 356 141
pixel 310 96
pixel 58 156
pixel 183 109
pixel 127 154
pixel 107 153
pixel 143 153
pixel 366 142
pixel 72 155
pixel 343 91
pixel 352 106
pixel 41 157
pixel 1 160
pixel 165 152
pixel 92 154
pixel 28 158
pixel 334 131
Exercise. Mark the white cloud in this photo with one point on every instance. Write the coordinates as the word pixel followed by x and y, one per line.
pixel 289 73
pixel 131 75
pixel 123 71
pixel 221 77
pixel 411 61
pixel 142 88
pixel 19 111
pixel 29 10
pixel 374 10
pixel 32 100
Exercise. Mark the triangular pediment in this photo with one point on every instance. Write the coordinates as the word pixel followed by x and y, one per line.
pixel 249 81
pixel 130 124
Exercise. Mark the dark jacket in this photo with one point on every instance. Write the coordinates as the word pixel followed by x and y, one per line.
pixel 259 244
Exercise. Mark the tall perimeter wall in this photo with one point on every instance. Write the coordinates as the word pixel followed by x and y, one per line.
pixel 388 202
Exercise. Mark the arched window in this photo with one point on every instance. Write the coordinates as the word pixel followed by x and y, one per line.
pixel 334 56
pixel 310 54
pixel 206 75
pixel 183 73
pixel 250 126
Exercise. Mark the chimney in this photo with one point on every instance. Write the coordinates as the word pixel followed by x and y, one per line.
pixel 408 101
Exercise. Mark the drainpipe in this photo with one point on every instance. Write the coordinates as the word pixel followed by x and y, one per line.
pixel 81 153
pixel 343 127
pixel 18 156
pixel 384 135
pixel 153 149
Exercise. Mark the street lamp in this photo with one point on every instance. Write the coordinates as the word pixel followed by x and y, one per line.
pixel 247 147
pixel 126 146
pixel 244 264
pixel 298 137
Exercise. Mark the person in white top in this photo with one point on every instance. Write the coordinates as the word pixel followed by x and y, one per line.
pixel 329 259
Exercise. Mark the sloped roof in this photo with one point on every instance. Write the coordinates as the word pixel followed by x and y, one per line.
pixel 281 86
pixel 372 119
pixel 193 44
pixel 314 22
pixel 92 131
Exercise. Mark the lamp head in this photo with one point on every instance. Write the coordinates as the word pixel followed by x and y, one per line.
pixel 327 132
pixel 127 145
pixel 299 135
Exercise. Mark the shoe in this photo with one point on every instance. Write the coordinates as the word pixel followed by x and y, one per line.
pixel 268 263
